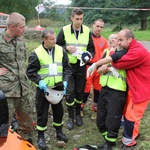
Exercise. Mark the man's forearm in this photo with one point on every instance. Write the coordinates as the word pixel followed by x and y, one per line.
pixel 104 61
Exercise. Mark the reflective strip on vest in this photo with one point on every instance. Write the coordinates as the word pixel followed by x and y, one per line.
pixel 45 60
pixel 41 128
pixel 81 43
pixel 117 83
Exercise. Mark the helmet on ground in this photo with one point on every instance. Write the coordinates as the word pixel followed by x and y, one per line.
pixel 54 96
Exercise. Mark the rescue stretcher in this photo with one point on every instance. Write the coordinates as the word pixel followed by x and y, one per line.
pixel 14 142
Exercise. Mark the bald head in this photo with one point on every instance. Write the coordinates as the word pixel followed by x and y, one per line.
pixel 125 37
pixel 127 33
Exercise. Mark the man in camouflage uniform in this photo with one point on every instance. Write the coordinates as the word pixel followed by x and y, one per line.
pixel 14 82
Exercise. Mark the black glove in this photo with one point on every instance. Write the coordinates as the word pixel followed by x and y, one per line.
pixel 86 56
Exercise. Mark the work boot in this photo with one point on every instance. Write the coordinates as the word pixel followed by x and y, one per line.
pixel 125 147
pixel 70 124
pixel 41 143
pixel 61 136
pixel 79 121
pixel 107 145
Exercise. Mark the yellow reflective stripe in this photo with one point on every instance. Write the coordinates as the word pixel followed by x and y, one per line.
pixel 45 75
pixel 41 128
pixel 111 74
pixel 110 139
pixel 79 102
pixel 70 104
pixel 57 124
pixel 104 133
pixel 47 66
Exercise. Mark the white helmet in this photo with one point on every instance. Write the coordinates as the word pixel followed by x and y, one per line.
pixel 54 96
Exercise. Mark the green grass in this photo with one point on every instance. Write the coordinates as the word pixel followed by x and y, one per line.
pixel 89 133
pixel 139 35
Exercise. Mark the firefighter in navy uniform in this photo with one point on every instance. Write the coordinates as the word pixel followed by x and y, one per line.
pixel 76 38
pixel 48 66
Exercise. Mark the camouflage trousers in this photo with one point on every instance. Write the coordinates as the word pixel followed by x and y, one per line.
pixel 22 107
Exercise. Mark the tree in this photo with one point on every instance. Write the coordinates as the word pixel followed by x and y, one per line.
pixel 25 7
pixel 118 17
pixel 143 14
pixel 90 14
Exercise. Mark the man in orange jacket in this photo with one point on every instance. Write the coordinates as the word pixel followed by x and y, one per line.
pixel 100 44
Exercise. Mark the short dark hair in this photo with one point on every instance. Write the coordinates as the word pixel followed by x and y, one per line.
pixel 77 11
pixel 100 20
pixel 46 31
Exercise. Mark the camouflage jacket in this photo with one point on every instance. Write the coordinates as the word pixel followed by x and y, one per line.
pixel 13 57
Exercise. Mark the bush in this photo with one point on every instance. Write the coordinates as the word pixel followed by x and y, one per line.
pixel 45 23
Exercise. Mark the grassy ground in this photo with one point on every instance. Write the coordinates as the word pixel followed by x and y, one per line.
pixel 89 134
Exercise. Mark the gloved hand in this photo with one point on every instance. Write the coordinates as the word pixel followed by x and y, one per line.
pixel 86 56
pixel 91 69
pixel 65 83
pixel 42 85
pixel 114 72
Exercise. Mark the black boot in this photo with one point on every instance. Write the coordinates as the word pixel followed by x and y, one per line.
pixel 61 136
pixel 79 121
pixel 70 123
pixel 107 145
pixel 41 140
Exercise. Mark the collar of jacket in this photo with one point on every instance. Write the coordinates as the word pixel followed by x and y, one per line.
pixel 72 30
pixel 95 35
pixel 47 48
pixel 8 39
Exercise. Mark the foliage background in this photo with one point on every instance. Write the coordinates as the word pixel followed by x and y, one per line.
pixel 55 18
pixel 112 11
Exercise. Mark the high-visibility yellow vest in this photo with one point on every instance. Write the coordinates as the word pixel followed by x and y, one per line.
pixel 45 60
pixel 81 43
pixel 117 83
